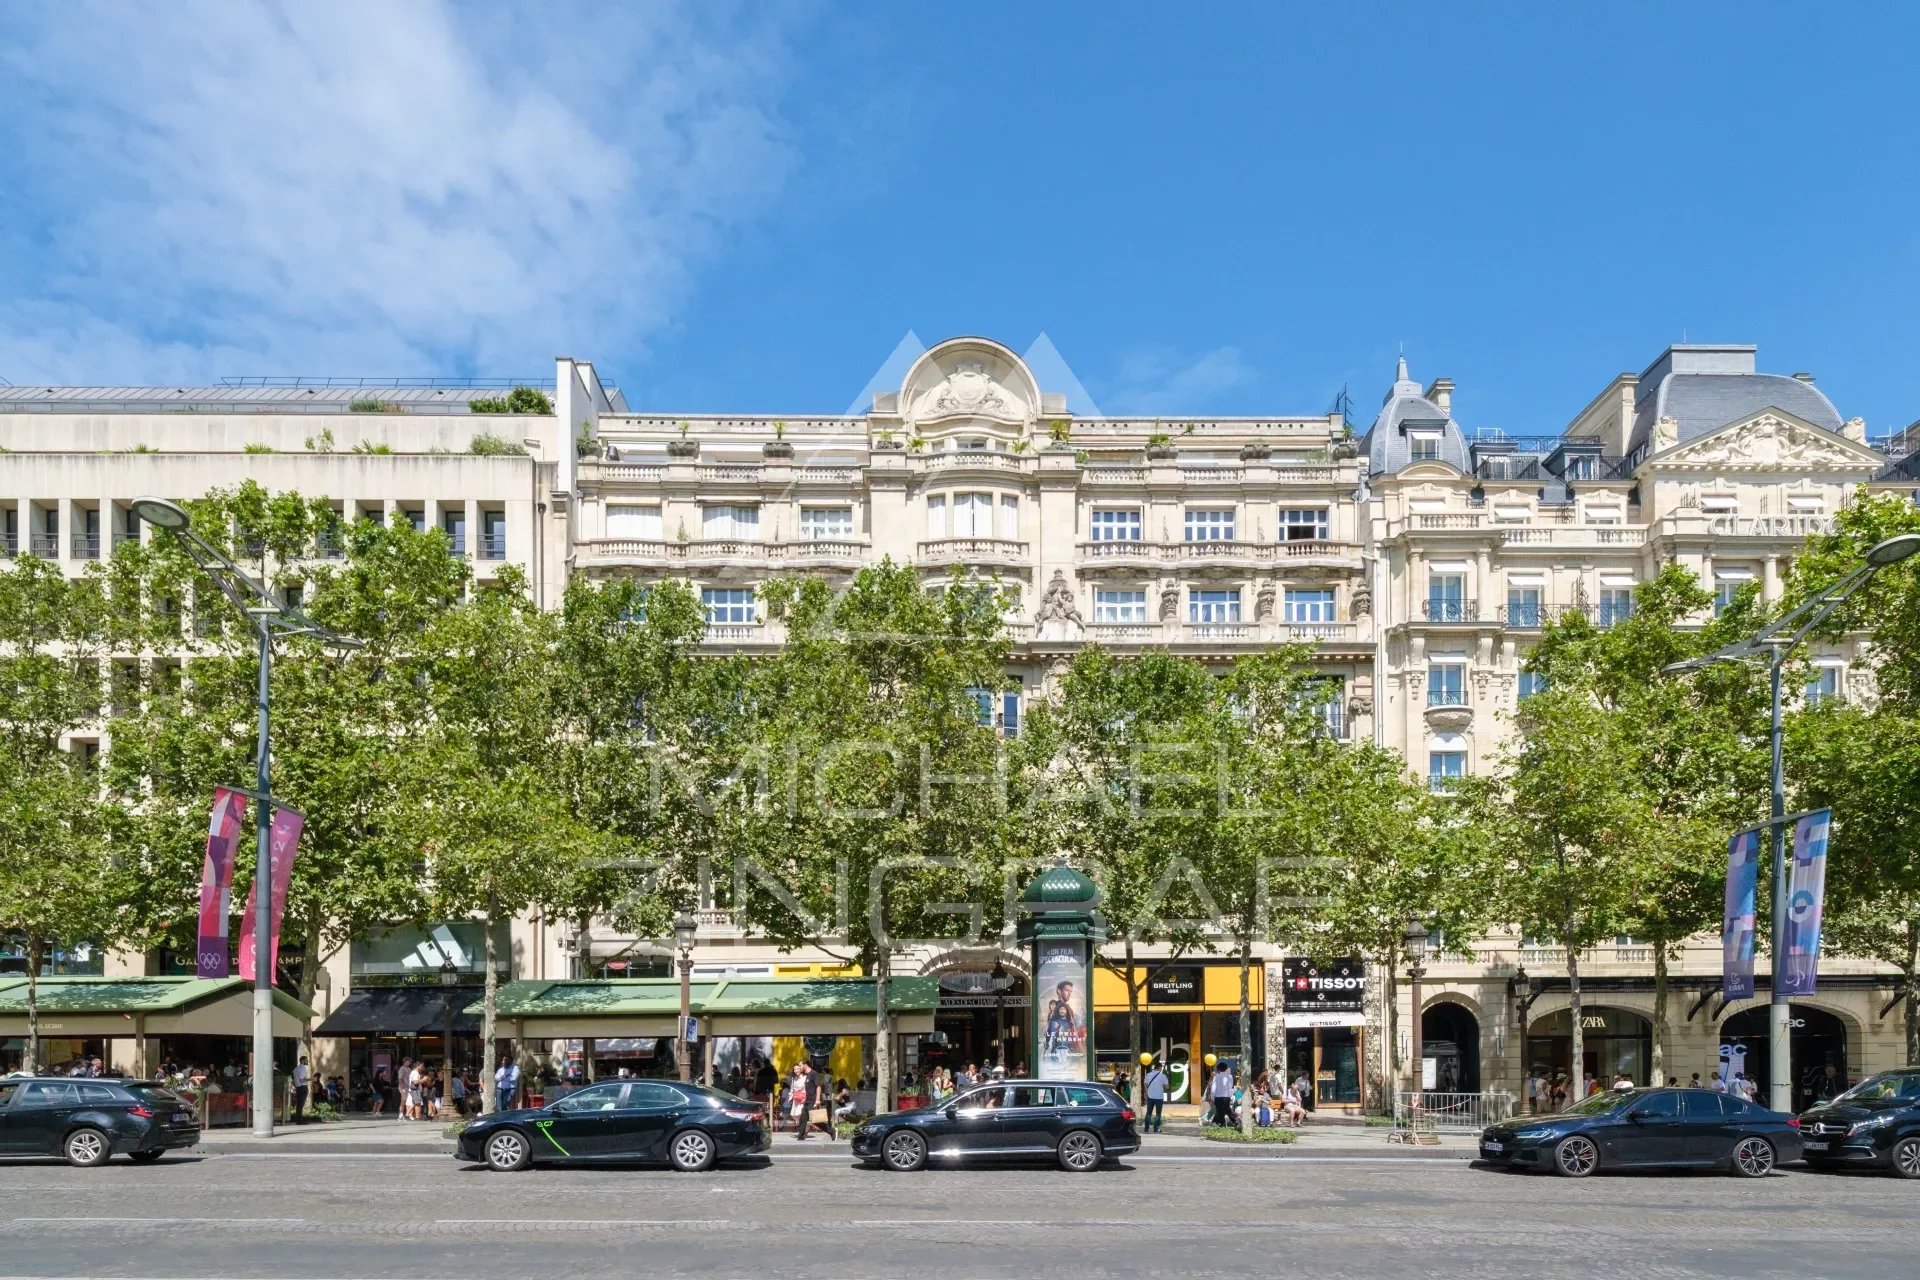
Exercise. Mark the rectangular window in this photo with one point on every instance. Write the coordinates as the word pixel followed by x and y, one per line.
pixel 493 535
pixel 1825 684
pixel 1010 713
pixel 1531 683
pixel 1328 700
pixel 1447 597
pixel 1616 605
pixel 1009 517
pixel 454 523
pixel 634 522
pixel 826 522
pixel 973 515
pixel 1523 607
pixel 1213 606
pixel 1115 526
pixel 937 516
pixel 728 604
pixel 1720 504
pixel 1308 604
pixel 982 700
pixel 1303 524
pixel 1422 445
pixel 1726 588
pixel 1120 606
pixel 1445 769
pixel 1209 524
pixel 1447 684
pixel 727 523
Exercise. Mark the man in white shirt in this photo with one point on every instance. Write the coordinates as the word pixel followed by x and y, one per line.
pixel 1221 1091
pixel 1154 1090
pixel 302 1080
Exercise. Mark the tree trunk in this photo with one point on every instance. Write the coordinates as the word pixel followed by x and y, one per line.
pixel 1246 1036
pixel 1579 1050
pixel 490 1054
pixel 1659 1076
pixel 1913 998
pixel 309 981
pixel 36 947
pixel 882 1039
pixel 1390 1077
pixel 1133 1010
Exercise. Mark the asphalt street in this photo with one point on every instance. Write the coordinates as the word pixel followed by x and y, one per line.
pixel 423 1216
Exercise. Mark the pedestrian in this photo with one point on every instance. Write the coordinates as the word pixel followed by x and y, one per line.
pixel 502 1088
pixel 1123 1084
pixel 1263 1100
pixel 797 1101
pixel 1718 1084
pixel 1623 1084
pixel 819 1113
pixel 1743 1087
pixel 1221 1091
pixel 1293 1109
pixel 1695 1082
pixel 1154 1089
pixel 302 1081
pixel 457 1091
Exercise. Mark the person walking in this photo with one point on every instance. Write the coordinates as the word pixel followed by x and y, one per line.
pixel 1221 1091
pixel 797 1101
pixel 1154 1090
pixel 503 1087
pixel 302 1080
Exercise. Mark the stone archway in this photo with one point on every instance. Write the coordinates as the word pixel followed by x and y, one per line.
pixel 1817 1035
pixel 1450 1036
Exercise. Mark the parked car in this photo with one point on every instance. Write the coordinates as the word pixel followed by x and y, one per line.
pixel 1647 1129
pixel 91 1121
pixel 688 1126
pixel 1874 1125
pixel 1076 1125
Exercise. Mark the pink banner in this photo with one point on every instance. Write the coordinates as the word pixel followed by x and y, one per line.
pixel 282 841
pixel 216 883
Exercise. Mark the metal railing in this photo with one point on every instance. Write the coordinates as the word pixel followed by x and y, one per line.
pixel 1446 696
pixel 1442 610
pixel 1452 1110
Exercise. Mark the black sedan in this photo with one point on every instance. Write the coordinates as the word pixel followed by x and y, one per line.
pixel 1647 1129
pixel 1874 1125
pixel 91 1121
pixel 1077 1125
pixel 687 1126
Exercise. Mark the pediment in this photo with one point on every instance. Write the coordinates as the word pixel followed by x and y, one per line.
pixel 1772 441
pixel 969 379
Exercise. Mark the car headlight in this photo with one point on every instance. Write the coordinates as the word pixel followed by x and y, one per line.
pixel 1533 1135
pixel 1880 1121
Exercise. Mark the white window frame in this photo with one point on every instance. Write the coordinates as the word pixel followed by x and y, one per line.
pixel 1455 680
pixel 1213 606
pixel 721 522
pixel 1213 524
pixel 1116 524
pixel 972 514
pixel 825 524
pixel 1120 605
pixel 1829 682
pixel 1306 524
pixel 1309 605
pixel 729 606
pixel 635 520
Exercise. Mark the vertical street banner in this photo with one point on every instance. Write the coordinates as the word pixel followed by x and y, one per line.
pixel 1806 902
pixel 1060 1010
pixel 283 839
pixel 1736 924
pixel 216 884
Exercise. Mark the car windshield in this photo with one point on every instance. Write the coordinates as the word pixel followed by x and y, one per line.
pixel 1599 1104
pixel 1888 1088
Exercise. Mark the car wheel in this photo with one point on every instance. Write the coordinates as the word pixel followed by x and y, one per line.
pixel 1906 1158
pixel 507 1151
pixel 1752 1158
pixel 691 1151
pixel 1576 1156
pixel 86 1148
pixel 1080 1152
pixel 145 1157
pixel 905 1151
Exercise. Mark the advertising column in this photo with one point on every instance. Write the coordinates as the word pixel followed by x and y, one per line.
pixel 1061 983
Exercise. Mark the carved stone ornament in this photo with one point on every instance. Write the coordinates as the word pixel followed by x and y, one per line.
pixel 1359 705
pixel 1059 615
pixel 1362 605
pixel 969 391
pixel 1855 430
pixel 1169 603
pixel 1263 603
pixel 1769 442
pixel 1666 434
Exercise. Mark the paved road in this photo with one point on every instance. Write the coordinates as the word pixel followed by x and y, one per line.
pixel 424 1217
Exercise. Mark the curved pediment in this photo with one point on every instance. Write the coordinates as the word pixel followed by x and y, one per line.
pixel 1769 441
pixel 969 379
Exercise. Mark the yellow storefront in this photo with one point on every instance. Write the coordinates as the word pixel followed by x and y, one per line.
pixel 1188 1009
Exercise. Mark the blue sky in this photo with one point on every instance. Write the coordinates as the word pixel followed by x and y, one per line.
pixel 1207 208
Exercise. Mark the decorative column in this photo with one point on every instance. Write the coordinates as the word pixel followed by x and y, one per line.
pixel 1061 928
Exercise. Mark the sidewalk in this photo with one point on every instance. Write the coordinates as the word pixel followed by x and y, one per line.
pixel 364 1135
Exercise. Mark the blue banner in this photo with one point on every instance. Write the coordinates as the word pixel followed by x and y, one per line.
pixel 1806 901
pixel 1736 924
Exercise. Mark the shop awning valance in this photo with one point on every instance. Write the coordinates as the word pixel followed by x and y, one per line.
pixel 403 1012
pixel 597 1007
pixel 87 1006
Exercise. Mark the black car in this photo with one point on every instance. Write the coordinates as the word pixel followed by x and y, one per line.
pixel 1078 1125
pixel 1874 1125
pixel 688 1126
pixel 91 1121
pixel 1647 1129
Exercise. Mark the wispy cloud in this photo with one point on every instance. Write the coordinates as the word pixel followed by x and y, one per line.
pixel 369 187
pixel 1163 382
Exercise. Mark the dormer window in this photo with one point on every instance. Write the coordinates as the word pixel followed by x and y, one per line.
pixel 1423 445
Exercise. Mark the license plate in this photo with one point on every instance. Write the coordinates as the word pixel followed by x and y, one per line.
pixel 1491 1146
pixel 1815 1146
pixel 184 1117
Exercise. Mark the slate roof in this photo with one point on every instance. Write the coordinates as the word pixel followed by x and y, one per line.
pixel 1386 444
pixel 1704 388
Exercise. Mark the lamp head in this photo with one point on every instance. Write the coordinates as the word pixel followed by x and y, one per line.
pixel 160 513
pixel 449 973
pixel 684 931
pixel 1522 984
pixel 1893 550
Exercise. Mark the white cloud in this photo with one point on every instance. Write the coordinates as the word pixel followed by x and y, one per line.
pixel 377 188
pixel 1164 382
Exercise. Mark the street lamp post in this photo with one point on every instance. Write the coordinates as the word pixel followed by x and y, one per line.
pixel 1001 981
pixel 1773 644
pixel 449 978
pixel 684 931
pixel 270 617
pixel 1522 987
pixel 1417 954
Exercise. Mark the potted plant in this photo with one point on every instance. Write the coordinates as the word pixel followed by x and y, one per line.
pixel 778 447
pixel 916 444
pixel 1159 445
pixel 887 440
pixel 1057 433
pixel 1345 447
pixel 1258 451
pixel 683 447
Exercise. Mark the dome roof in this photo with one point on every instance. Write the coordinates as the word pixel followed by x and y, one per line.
pixel 1061 886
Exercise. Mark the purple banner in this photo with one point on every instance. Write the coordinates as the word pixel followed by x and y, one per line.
pixel 216 883
pixel 1806 902
pixel 1736 922
pixel 282 841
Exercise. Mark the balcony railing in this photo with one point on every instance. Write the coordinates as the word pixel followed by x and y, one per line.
pixel 46 545
pixel 1222 549
pixel 10 543
pixel 1576 535
pixel 86 546
pixel 734 632
pixel 972 551
pixel 830 475
pixel 1114 475
pixel 1446 696
pixel 1442 610
pixel 836 549
pixel 1449 520
pixel 1118 549
pixel 1212 475
pixel 1126 632
pixel 492 546
pixel 1316 549
pixel 1221 631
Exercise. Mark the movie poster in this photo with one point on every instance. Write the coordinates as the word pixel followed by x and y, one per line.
pixel 1060 1011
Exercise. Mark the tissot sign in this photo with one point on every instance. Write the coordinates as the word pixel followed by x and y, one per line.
pixel 1330 993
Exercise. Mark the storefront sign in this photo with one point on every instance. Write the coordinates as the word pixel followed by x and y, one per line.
pixel 1782 526
pixel 983 1002
pixel 1174 984
pixel 1060 1010
pixel 1329 994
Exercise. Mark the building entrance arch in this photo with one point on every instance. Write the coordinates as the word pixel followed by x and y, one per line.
pixel 1815 1038
pixel 1450 1038
pixel 1614 1042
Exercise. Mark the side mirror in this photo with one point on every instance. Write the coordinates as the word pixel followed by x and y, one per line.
pixel 951 1111
pixel 1639 1115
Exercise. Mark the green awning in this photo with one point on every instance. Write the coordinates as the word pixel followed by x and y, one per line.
pixel 71 1006
pixel 591 1007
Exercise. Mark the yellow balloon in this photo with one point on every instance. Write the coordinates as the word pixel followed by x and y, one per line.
pixel 1146 1059
pixel 1210 1060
